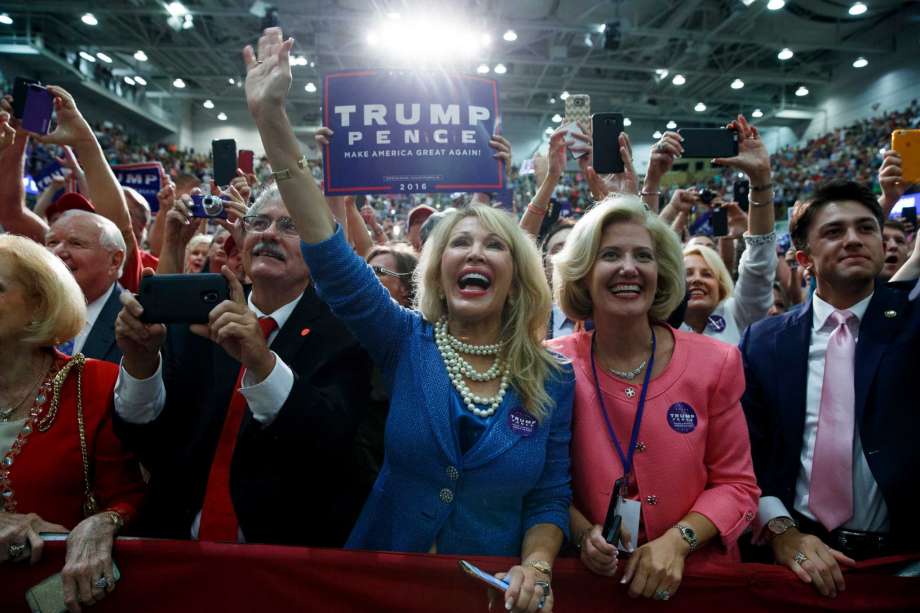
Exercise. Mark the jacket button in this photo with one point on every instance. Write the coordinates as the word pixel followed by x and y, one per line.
pixel 640 446
pixel 452 473
pixel 651 499
pixel 749 516
pixel 447 496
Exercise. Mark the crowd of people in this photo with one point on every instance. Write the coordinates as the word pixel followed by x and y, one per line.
pixel 481 384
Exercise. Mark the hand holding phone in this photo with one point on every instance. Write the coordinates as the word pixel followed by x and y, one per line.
pixel 36 114
pixel 480 575
pixel 605 130
pixel 709 142
pixel 223 153
pixel 181 298
pixel 907 144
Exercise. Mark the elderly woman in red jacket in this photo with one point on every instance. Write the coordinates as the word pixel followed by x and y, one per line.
pixel 61 467
pixel 654 406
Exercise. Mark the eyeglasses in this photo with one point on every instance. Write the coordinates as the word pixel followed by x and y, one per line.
pixel 261 223
pixel 380 270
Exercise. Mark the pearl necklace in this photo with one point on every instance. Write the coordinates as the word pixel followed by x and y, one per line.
pixel 457 367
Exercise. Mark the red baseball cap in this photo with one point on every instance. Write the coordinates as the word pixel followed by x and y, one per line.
pixel 420 213
pixel 71 201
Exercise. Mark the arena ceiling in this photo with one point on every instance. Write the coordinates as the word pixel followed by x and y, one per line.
pixel 616 51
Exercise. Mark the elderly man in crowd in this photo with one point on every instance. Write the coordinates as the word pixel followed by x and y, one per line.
pixel 246 424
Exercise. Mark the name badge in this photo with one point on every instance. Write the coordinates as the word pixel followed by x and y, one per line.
pixel 682 418
pixel 521 422
pixel 716 323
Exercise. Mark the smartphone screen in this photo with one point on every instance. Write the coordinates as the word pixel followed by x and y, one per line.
pixel 709 142
pixel 20 92
pixel 36 116
pixel 247 161
pixel 483 576
pixel 719 222
pixel 224 156
pixel 605 132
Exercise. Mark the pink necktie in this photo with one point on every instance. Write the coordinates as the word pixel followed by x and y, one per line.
pixel 830 497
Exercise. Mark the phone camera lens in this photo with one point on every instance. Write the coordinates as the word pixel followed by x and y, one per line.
pixel 212 205
pixel 209 297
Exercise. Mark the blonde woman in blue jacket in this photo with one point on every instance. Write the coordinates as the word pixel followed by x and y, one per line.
pixel 477 439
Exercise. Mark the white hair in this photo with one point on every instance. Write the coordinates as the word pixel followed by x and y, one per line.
pixel 110 237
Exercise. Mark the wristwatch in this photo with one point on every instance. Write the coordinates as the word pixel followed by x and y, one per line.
pixel 779 525
pixel 541 566
pixel 689 535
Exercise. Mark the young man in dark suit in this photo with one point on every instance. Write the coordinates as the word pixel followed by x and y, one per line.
pixel 831 419
pixel 246 424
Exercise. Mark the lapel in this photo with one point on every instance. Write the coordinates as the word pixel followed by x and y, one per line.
pixel 498 437
pixel 102 336
pixel 876 332
pixel 436 389
pixel 792 343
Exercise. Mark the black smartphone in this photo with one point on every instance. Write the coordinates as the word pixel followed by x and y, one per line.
pixel 709 142
pixel 20 91
pixel 208 207
pixel 605 135
pixel 910 214
pixel 36 115
pixel 223 153
pixel 719 222
pixel 740 193
pixel 612 522
pixel 169 299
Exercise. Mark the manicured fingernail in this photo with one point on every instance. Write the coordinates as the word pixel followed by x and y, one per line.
pixel 508 604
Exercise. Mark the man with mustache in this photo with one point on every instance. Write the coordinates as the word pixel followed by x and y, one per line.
pixel 246 424
pixel 830 417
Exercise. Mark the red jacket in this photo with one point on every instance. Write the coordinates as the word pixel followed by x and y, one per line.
pixel 694 452
pixel 47 475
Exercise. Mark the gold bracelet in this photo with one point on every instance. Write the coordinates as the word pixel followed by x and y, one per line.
pixel 285 173
pixel 541 566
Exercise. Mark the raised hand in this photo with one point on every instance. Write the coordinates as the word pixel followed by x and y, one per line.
pixel 502 148
pixel 268 72
pixel 556 156
pixel 7 132
pixel 683 200
pixel 624 182
pixel 664 152
pixel 139 342
pixel 752 159
pixel 890 178
pixel 72 129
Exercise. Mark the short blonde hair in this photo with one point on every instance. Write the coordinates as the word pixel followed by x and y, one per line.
pixel 716 265
pixel 527 309
pixel 573 264
pixel 58 309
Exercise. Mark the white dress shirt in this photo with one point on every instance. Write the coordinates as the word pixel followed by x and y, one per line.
pixel 93 309
pixel 870 513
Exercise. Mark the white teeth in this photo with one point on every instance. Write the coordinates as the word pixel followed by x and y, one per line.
pixel 475 276
pixel 616 289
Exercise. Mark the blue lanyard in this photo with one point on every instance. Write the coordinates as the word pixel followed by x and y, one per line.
pixel 626 459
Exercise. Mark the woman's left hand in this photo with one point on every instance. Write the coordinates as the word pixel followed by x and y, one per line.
pixel 523 594
pixel 655 569
pixel 502 148
pixel 88 562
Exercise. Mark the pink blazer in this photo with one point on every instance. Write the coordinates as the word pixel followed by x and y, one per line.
pixel 694 453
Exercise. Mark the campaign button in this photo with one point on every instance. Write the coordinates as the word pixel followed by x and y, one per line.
pixel 682 418
pixel 521 422
pixel 716 323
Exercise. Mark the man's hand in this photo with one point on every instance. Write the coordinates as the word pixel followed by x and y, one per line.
pixel 817 563
pixel 72 129
pixel 890 178
pixel 236 329
pixel 268 72
pixel 139 342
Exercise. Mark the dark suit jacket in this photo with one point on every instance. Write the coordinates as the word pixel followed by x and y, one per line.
pixel 100 344
pixel 292 482
pixel 775 352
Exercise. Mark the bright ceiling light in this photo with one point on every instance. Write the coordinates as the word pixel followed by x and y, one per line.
pixel 140 80
pixel 102 56
pixel 5 19
pixel 656 134
pixel 548 131
pixel 860 62
pixel 557 118
pixel 188 24
pixel 671 125
pixel 627 122
pixel 310 87
pixel 661 72
pixel 678 79
pixel 747 2
pixel 801 91
pixel 129 80
pixel 775 5
pixel 86 56
pixel 372 39
pixel 858 8
pixel 485 40
pixel 140 56
pixel 757 113
pixel 510 36
pixel 176 9
pixel 222 116
pixel 564 95
pixel 552 101
pixel 500 69
pixel 483 69
pixel 231 81
pixel 208 104
pixel 178 83
pixel 299 60
pixel 89 19
pixel 394 16
pixel 700 107
pixel 588 41
pixel 785 54
pixel 737 84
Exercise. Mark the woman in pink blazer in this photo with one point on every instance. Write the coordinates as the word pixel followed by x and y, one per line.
pixel 691 475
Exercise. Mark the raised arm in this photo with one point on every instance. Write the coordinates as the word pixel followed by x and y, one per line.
pixel 536 210
pixel 14 216
pixel 890 180
pixel 664 152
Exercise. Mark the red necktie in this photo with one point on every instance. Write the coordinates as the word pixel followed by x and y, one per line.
pixel 218 519
pixel 830 496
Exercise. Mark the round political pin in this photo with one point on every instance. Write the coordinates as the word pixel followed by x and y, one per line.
pixel 682 418
pixel 305 331
pixel 521 422
pixel 716 323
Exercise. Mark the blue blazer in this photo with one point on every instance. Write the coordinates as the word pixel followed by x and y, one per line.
pixel 428 491
pixel 775 353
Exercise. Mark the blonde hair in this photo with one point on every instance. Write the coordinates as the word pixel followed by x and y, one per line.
pixel 716 265
pixel 574 263
pixel 58 309
pixel 527 308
